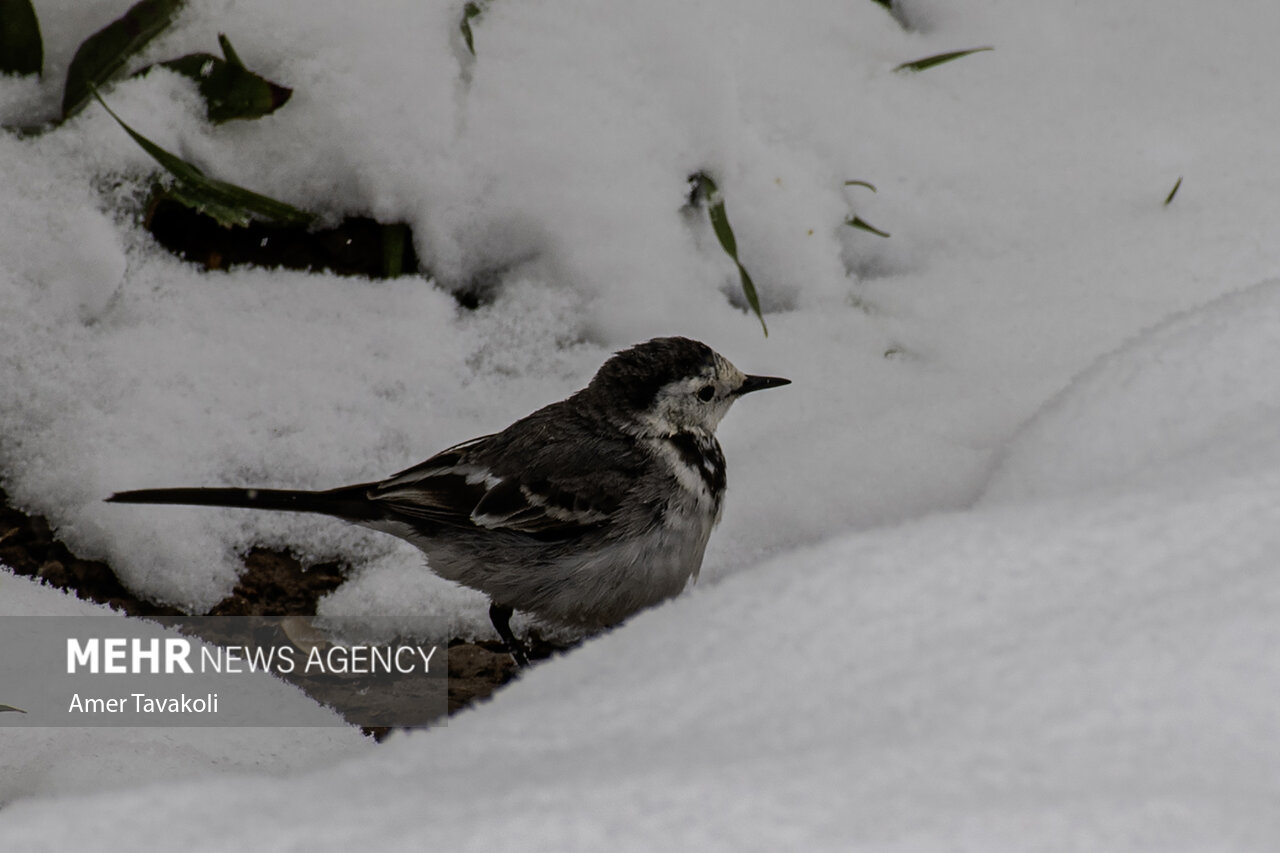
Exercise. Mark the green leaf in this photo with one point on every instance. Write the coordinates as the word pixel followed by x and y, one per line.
pixel 894 8
pixel 227 203
pixel 704 189
pixel 105 52
pixel 749 291
pixel 1173 191
pixel 470 11
pixel 230 90
pixel 21 48
pixel 859 222
pixel 393 240
pixel 931 61
pixel 11 708
pixel 228 51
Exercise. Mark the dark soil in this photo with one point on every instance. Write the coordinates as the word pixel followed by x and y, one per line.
pixel 358 246
pixel 273 584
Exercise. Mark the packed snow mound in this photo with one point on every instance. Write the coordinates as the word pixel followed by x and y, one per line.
pixel 1092 673
pixel 1200 391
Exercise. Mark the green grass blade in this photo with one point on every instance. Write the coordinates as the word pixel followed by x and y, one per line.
pixel 228 51
pixel 105 52
pixel 860 184
pixel 470 12
pixel 749 291
pixel 1173 192
pixel 21 48
pixel 230 90
pixel 227 203
pixel 393 241
pixel 895 11
pixel 862 224
pixel 931 61
pixel 11 708
pixel 705 190
pixel 720 224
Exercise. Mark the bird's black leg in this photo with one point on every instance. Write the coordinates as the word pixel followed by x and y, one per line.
pixel 500 616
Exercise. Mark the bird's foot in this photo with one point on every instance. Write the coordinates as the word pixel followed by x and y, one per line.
pixel 500 616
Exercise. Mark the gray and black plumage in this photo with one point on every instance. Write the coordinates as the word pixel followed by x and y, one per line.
pixel 582 513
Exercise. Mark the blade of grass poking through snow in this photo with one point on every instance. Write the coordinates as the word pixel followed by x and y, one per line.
pixel 705 189
pixel 11 708
pixel 227 203
pixel 393 240
pixel 230 90
pixel 105 52
pixel 470 12
pixel 857 221
pixel 894 11
pixel 229 52
pixel 1173 191
pixel 21 48
pixel 860 223
pixel 931 61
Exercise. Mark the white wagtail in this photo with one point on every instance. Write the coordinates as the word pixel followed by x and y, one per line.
pixel 583 513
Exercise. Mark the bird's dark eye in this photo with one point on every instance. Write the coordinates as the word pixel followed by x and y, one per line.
pixel 706 392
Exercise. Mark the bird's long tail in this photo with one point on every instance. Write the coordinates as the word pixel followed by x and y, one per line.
pixel 349 502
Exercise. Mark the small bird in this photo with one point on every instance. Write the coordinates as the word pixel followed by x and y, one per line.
pixel 582 513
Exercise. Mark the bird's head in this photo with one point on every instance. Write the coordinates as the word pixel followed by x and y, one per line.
pixel 669 385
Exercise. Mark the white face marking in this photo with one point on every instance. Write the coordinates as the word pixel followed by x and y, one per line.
pixel 679 406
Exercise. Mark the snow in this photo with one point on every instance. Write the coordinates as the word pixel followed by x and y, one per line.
pixel 1202 382
pixel 996 572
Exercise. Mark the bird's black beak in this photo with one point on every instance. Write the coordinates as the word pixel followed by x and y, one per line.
pixel 759 383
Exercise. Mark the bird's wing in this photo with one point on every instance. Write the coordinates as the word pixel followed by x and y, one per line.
pixel 555 490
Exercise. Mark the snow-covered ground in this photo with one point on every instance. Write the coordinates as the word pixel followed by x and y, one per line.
pixel 998 572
